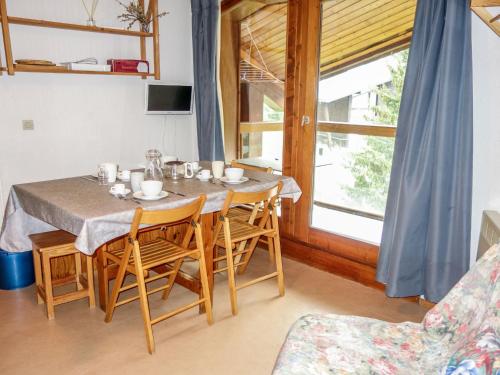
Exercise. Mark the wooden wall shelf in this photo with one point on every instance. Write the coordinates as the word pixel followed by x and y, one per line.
pixel 42 69
pixel 74 26
pixel 11 68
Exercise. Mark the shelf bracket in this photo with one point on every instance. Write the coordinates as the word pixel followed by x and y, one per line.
pixel 156 37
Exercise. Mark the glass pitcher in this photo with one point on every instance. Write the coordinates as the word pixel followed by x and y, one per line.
pixel 153 171
pixel 175 169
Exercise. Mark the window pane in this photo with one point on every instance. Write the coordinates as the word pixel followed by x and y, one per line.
pixel 262 77
pixel 362 64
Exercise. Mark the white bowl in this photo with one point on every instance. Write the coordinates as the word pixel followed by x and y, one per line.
pixel 234 174
pixel 151 188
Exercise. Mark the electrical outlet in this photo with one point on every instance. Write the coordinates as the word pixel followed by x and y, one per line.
pixel 28 125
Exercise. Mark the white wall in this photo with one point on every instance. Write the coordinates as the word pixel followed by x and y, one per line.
pixel 486 186
pixel 81 120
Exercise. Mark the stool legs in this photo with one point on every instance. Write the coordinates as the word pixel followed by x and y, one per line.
pixel 90 280
pixel 78 271
pixel 44 285
pixel 47 281
pixel 38 274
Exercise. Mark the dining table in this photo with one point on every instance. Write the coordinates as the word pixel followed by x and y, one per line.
pixel 101 221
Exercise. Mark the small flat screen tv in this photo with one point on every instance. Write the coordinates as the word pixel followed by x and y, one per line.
pixel 168 99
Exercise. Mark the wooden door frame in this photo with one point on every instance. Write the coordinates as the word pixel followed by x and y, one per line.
pixel 347 257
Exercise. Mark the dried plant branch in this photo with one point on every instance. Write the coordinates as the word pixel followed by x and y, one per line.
pixel 134 12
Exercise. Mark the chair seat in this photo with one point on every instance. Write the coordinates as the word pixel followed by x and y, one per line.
pixel 241 231
pixel 154 253
pixel 242 213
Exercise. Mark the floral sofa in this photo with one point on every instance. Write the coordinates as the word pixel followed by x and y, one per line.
pixel 460 335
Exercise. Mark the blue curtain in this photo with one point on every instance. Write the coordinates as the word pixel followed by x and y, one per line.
pixel 205 21
pixel 426 236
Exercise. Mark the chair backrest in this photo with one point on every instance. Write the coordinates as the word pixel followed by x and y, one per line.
pixel 188 213
pixel 236 164
pixel 267 198
pixel 471 302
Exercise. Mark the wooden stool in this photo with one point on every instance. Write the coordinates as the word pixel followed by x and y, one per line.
pixel 56 244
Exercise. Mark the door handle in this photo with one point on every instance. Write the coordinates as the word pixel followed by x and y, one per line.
pixel 306 120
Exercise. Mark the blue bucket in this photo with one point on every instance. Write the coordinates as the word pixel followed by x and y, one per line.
pixel 16 270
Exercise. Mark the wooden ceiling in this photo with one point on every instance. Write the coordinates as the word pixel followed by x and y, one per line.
pixel 352 31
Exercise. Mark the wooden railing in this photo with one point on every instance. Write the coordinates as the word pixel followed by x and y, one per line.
pixel 327 127
pixel 363 213
pixel 331 127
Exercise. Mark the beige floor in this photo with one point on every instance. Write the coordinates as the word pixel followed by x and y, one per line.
pixel 79 342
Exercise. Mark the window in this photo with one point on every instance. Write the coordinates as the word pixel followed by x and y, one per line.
pixel 357 111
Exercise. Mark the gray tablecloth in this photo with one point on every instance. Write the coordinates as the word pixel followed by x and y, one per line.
pixel 90 212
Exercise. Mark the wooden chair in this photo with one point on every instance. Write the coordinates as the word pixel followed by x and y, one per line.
pixel 54 244
pixel 230 233
pixel 243 212
pixel 236 164
pixel 140 259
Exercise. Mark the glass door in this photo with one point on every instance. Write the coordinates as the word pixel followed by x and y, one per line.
pixel 362 61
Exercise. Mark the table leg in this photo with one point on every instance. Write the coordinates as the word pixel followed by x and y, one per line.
pixel 102 276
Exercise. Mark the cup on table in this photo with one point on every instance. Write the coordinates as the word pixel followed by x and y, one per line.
pixel 205 174
pixel 218 169
pixel 135 180
pixel 117 189
pixel 151 188
pixel 234 174
pixel 124 175
pixel 189 170
pixel 111 169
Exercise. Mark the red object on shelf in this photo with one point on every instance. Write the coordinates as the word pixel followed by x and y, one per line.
pixel 129 66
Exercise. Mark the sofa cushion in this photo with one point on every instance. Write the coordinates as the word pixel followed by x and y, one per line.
pixel 480 355
pixel 326 344
pixel 460 314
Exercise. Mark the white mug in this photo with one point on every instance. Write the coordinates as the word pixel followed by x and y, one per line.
pixel 111 169
pixel 189 170
pixel 205 174
pixel 118 189
pixel 218 169
pixel 151 188
pixel 124 175
pixel 135 180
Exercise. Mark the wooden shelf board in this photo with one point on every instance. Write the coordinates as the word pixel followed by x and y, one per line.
pixel 77 27
pixel 38 69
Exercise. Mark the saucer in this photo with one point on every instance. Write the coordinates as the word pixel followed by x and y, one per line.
pixel 198 176
pixel 140 195
pixel 126 192
pixel 234 182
